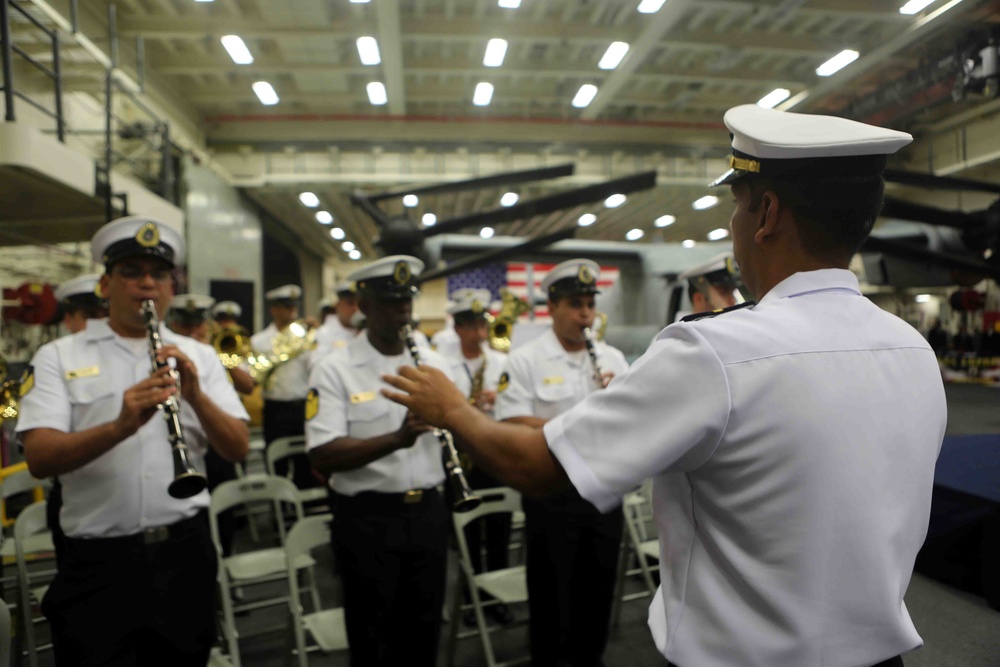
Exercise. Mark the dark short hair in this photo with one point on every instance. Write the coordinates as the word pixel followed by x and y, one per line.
pixel 467 317
pixel 834 215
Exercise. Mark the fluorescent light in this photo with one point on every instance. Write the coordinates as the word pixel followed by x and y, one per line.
pixel 585 95
pixel 429 219
pixel 706 202
pixel 509 199
pixel 496 49
pixel 650 6
pixel 586 220
pixel 237 50
pixel 309 199
pixel 483 94
pixel 613 56
pixel 914 6
pixel 718 234
pixel 347 246
pixel 688 243
pixel 634 234
pixel 486 232
pixel 665 221
pixel 376 93
pixel 921 298
pixel 774 98
pixel 837 63
pixel 337 233
pixel 360 2
pixel 410 201
pixel 368 51
pixel 265 93
pixel 509 4
pixel 324 217
pixel 354 254
pixel 614 201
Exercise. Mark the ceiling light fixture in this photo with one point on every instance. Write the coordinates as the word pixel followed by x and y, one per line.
pixel 837 63
pixel 585 95
pixel 665 221
pixel 634 234
pixel 718 234
pixel 509 199
pixel 614 201
pixel 354 254
pixel 429 219
pixel 309 199
pixel 586 220
pixel 410 201
pixel 705 203
pixel 347 246
pixel 265 93
pixel 774 98
pixel 486 232
pixel 923 298
pixel 650 6
pixel 496 49
pixel 914 6
pixel 376 93
pixel 688 243
pixel 368 51
pixel 483 94
pixel 324 217
pixel 613 56
pixel 509 4
pixel 237 50
pixel 337 233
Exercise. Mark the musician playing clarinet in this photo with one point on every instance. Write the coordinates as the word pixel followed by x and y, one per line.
pixel 572 548
pixel 136 581
pixel 384 465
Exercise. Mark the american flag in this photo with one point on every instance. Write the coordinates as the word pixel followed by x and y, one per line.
pixel 516 277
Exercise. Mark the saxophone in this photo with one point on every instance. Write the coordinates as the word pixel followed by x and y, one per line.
pixel 477 382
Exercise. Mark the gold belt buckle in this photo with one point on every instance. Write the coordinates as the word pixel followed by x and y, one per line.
pixel 156 535
pixel 413 496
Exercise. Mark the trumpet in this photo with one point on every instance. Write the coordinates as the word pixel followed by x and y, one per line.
pixel 232 344
pixel 588 338
pixel 187 480
pixel 464 499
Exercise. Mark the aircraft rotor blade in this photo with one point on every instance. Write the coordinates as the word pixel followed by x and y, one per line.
pixel 547 204
pixel 508 178
pixel 945 260
pixel 904 210
pixel 500 254
pixel 939 182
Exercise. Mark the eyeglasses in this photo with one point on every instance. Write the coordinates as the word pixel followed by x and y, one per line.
pixel 136 272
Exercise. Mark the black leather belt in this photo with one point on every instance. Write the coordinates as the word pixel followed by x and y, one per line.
pixel 389 500
pixel 148 537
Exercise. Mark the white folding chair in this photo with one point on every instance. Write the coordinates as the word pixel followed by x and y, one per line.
pixel 325 626
pixel 508 585
pixel 283 448
pixel 259 566
pixel 33 542
pixel 5 635
pixel 640 544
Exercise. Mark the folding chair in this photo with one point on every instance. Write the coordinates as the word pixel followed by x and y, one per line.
pixel 259 566
pixel 283 448
pixel 5 635
pixel 508 585
pixel 33 542
pixel 326 626
pixel 638 544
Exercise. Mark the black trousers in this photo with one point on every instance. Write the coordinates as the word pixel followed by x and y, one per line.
pixel 133 602
pixel 281 420
pixel 571 568
pixel 392 558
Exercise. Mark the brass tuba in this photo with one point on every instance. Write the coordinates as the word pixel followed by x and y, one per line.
pixel 501 327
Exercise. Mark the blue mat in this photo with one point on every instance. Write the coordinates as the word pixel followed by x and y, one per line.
pixel 970 464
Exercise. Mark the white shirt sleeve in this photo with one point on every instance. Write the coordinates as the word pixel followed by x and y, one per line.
pixel 217 385
pixel 47 404
pixel 518 399
pixel 666 414
pixel 326 405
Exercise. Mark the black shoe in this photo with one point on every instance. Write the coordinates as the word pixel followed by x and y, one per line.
pixel 500 613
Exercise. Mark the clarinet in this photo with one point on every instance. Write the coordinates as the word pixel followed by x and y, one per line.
pixel 464 499
pixel 187 480
pixel 588 338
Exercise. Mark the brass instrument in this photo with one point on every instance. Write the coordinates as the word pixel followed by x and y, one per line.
pixel 501 327
pixel 187 480
pixel 602 326
pixel 464 500
pixel 477 382
pixel 588 338
pixel 287 345
pixel 232 344
pixel 10 393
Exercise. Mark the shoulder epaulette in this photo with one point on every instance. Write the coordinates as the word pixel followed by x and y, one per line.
pixel 720 311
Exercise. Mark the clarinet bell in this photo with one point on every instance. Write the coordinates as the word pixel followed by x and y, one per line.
pixel 187 484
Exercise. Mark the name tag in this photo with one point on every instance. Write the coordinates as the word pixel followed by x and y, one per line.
pixel 363 397
pixel 87 372
pixel 555 379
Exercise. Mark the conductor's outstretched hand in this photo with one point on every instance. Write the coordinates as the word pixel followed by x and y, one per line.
pixel 427 392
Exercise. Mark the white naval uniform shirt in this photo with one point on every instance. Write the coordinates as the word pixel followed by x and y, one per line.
pixel 79 383
pixel 466 369
pixel 290 382
pixel 347 384
pixel 330 336
pixel 792 446
pixel 545 380
pixel 447 342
